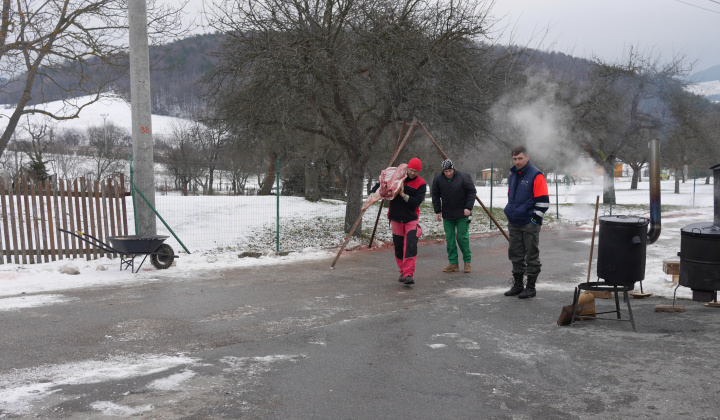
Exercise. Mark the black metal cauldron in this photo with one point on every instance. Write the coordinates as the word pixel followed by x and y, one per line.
pixel 621 249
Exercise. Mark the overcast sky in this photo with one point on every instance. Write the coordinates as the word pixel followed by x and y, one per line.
pixel 606 27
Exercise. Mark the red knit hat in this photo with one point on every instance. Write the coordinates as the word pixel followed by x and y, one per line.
pixel 415 164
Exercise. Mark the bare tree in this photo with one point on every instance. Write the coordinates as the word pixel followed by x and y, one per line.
pixel 73 48
pixel 688 138
pixel 622 106
pixel 181 156
pixel 35 147
pixel 104 148
pixel 345 70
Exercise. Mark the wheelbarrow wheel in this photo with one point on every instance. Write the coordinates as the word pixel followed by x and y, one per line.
pixel 163 257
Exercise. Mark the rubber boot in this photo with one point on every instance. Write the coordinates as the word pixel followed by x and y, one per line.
pixel 517 287
pixel 529 288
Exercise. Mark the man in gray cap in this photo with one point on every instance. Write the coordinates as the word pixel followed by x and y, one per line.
pixel 453 197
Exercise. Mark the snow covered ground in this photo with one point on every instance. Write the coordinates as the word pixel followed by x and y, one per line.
pixel 34 285
pixel 711 88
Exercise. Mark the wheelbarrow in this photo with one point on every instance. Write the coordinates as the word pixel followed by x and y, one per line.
pixel 132 246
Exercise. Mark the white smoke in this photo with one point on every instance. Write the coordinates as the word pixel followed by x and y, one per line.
pixel 531 116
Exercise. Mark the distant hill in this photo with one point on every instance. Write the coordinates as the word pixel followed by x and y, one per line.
pixel 176 70
pixel 709 75
pixel 178 67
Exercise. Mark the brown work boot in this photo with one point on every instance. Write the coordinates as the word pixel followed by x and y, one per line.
pixel 452 268
pixel 467 268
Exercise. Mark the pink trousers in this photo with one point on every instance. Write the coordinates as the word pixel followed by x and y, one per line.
pixel 405 239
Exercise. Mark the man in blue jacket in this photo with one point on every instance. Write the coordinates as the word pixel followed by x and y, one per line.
pixel 453 197
pixel 527 203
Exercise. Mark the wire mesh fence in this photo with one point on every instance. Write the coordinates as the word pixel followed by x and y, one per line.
pixel 288 221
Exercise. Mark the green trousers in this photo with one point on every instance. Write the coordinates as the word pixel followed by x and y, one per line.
pixel 457 231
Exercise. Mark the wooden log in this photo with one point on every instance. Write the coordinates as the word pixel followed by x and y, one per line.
pixel 638 295
pixel 585 308
pixel 600 295
pixel 713 304
pixel 669 308
pixel 671 267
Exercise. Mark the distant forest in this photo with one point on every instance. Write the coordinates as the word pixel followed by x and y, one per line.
pixel 177 70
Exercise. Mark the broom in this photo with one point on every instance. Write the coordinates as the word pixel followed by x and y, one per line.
pixel 586 301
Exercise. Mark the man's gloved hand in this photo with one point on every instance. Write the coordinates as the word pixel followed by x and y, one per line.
pixel 536 220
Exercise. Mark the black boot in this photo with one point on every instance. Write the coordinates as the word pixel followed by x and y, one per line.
pixel 529 288
pixel 517 287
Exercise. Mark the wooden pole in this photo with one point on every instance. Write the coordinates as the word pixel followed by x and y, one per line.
pixel 476 197
pixel 352 230
pixel 592 241
pixel 377 219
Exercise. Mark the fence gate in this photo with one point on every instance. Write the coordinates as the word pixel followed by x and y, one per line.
pixel 32 214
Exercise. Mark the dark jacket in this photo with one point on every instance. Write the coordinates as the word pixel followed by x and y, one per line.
pixel 527 196
pixel 453 196
pixel 401 211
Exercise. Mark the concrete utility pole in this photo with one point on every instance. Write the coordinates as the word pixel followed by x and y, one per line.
pixel 141 116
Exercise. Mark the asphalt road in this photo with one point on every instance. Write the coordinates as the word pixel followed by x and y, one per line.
pixel 303 341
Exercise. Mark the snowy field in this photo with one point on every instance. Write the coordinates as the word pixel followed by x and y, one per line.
pixel 112 109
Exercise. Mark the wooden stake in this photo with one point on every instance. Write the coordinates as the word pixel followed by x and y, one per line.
pixel 377 219
pixel 592 241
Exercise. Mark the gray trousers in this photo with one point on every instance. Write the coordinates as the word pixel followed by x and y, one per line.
pixel 523 249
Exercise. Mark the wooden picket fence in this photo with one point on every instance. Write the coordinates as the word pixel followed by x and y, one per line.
pixel 32 214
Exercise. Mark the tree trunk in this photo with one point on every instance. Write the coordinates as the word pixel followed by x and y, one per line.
pixel 312 190
pixel 354 196
pixel 635 178
pixel 608 191
pixel 678 174
pixel 707 180
pixel 211 180
pixel 267 185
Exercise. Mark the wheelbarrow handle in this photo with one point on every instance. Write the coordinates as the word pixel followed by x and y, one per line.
pixel 104 247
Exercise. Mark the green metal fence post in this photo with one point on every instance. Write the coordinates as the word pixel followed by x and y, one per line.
pixel 694 178
pixel 277 191
pixel 492 173
pixel 557 197
pixel 132 193
pixel 612 182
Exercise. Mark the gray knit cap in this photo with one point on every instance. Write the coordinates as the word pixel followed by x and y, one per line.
pixel 447 164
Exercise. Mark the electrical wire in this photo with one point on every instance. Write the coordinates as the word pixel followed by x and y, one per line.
pixel 709 10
